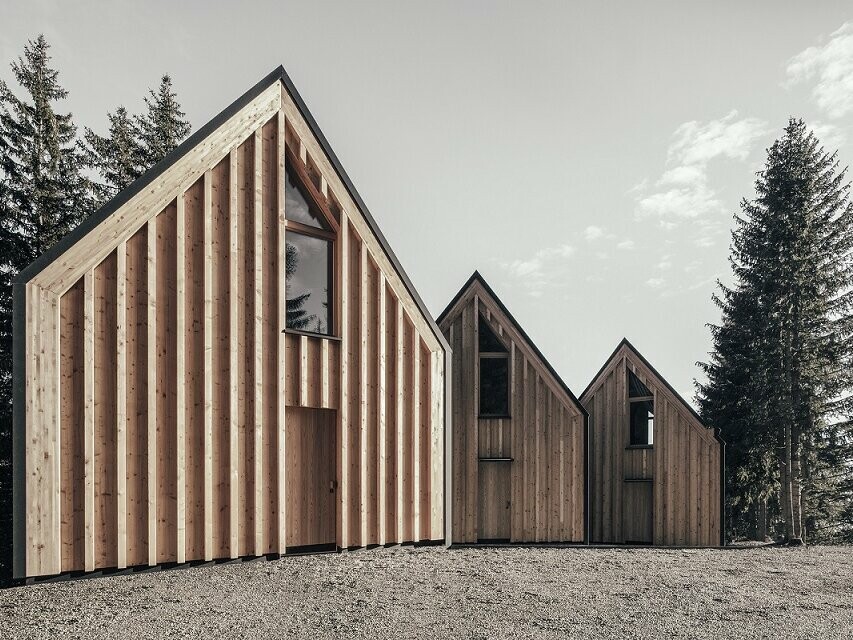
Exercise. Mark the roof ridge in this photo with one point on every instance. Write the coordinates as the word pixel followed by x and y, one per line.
pixel 478 277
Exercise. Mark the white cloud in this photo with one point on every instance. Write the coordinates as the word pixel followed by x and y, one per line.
pixel 665 263
pixel 625 245
pixel 655 283
pixel 593 233
pixel 541 268
pixel 697 143
pixel 686 201
pixel 682 191
pixel 830 66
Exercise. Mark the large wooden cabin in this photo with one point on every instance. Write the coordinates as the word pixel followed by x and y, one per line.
pixel 227 360
pixel 519 438
pixel 655 471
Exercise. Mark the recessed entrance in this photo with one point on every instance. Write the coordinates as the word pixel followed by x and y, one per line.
pixel 494 500
pixel 311 477
pixel 637 511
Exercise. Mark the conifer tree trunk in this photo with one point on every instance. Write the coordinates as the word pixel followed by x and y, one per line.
pixel 785 492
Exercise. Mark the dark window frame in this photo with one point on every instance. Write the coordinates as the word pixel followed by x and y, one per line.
pixel 313 197
pixel 493 355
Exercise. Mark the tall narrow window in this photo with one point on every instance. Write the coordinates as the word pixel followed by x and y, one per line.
pixel 309 256
pixel 494 373
pixel 641 404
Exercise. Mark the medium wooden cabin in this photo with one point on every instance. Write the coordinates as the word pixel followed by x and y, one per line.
pixel 226 360
pixel 519 438
pixel 655 471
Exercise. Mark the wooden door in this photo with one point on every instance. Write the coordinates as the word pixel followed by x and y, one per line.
pixel 311 476
pixel 637 512
pixel 494 500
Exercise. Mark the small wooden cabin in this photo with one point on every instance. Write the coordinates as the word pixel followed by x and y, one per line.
pixel 655 471
pixel 519 438
pixel 227 360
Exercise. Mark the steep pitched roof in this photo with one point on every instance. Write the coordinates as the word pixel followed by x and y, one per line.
pixel 627 344
pixel 478 278
pixel 277 75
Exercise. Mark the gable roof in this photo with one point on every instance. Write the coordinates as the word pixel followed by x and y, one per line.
pixel 627 344
pixel 277 75
pixel 476 277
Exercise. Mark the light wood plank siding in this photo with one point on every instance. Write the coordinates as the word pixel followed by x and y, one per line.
pixel 544 437
pixel 683 465
pixel 172 357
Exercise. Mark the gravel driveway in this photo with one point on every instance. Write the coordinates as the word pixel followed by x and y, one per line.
pixel 460 593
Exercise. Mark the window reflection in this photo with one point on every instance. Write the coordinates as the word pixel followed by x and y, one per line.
pixel 307 282
pixel 296 204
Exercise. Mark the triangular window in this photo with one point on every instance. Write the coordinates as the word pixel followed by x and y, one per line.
pixel 636 389
pixel 299 206
pixel 489 342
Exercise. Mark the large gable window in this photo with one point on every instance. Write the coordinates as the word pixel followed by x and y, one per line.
pixel 309 256
pixel 641 403
pixel 494 373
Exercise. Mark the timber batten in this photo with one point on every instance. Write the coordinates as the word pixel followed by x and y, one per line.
pixel 518 475
pixel 157 388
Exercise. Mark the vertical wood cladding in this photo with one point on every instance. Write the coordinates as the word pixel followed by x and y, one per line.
pixel 544 437
pixel 176 388
pixel 683 465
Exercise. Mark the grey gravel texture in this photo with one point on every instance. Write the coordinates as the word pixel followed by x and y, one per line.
pixel 460 593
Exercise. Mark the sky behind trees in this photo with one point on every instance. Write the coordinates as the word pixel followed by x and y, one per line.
pixel 587 160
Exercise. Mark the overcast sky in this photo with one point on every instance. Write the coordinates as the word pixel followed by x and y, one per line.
pixel 587 160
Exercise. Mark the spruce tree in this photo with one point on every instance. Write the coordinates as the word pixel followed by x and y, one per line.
pixel 784 342
pixel 43 195
pixel 163 126
pixel 117 157
pixel 297 317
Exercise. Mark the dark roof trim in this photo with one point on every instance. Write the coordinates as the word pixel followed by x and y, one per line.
pixel 625 342
pixel 476 277
pixel 278 75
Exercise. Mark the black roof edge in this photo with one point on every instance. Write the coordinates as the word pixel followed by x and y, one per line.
pixel 277 75
pixel 476 276
pixel 650 367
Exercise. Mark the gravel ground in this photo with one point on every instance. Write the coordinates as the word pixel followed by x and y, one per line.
pixel 460 593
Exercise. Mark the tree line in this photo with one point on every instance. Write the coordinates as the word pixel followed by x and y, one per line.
pixel 51 178
pixel 780 374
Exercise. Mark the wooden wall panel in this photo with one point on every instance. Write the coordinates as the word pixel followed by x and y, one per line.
pixel 166 385
pixel 137 400
pixel 106 514
pixel 220 401
pixel 174 377
pixel 370 402
pixel 193 388
pixel 423 473
pixel 245 301
pixel 355 380
pixel 391 445
pixel 71 425
pixel 544 437
pixel 683 485
pixel 272 327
